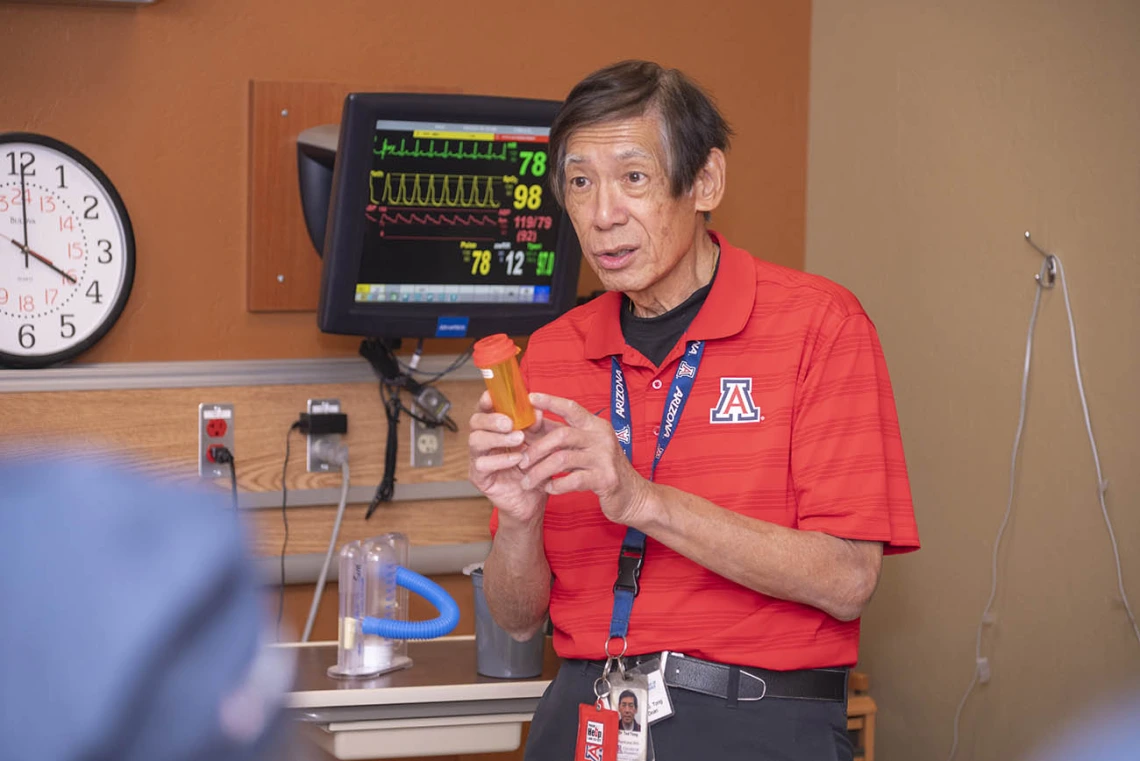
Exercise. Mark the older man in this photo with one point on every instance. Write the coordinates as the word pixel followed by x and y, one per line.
pixel 717 469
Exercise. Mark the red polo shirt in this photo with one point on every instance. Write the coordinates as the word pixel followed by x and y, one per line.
pixel 791 420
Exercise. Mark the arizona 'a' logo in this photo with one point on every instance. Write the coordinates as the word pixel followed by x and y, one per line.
pixel 623 434
pixel 735 404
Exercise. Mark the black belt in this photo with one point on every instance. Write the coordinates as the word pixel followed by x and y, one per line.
pixel 746 682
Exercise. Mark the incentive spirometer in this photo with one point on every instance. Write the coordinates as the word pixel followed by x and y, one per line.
pixel 373 625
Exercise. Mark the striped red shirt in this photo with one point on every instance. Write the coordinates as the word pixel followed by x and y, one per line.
pixel 791 420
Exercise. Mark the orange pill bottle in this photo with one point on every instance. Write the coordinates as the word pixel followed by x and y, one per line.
pixel 495 356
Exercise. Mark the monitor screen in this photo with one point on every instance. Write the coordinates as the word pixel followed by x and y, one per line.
pixel 458 213
pixel 454 230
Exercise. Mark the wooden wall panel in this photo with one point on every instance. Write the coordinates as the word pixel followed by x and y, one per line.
pixel 444 521
pixel 159 427
pixel 156 431
pixel 284 268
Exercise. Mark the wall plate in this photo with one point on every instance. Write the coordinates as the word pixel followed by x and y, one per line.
pixel 426 443
pixel 314 464
pixel 215 426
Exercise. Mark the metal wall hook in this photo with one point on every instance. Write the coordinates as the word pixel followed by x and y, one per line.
pixel 1050 268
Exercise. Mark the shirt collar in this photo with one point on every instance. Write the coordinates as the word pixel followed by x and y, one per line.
pixel 724 313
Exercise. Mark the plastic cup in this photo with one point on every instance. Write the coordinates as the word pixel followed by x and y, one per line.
pixel 496 358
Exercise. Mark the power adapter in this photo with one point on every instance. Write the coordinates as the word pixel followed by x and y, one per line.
pixel 323 423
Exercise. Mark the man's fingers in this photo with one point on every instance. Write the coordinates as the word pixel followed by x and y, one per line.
pixel 561 461
pixel 562 437
pixel 493 463
pixel 480 443
pixel 490 421
pixel 484 404
pixel 573 413
pixel 576 481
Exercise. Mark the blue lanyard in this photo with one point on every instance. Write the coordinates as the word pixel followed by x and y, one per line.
pixel 632 554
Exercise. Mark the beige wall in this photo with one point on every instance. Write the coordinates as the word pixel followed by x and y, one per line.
pixel 940 132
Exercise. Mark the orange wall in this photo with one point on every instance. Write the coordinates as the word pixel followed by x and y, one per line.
pixel 158 97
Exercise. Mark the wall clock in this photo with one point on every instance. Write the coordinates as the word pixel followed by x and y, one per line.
pixel 67 252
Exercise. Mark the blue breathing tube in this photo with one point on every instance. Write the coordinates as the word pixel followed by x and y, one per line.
pixel 442 624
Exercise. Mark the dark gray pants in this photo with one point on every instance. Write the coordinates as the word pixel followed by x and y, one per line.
pixel 702 727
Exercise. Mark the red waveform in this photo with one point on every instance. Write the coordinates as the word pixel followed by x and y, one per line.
pixel 453 220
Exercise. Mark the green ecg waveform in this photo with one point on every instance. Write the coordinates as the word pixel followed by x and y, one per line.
pixel 388 149
pixel 467 191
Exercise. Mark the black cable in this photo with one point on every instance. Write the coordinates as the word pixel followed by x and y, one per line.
pixel 430 378
pixel 285 522
pixel 223 456
pixel 396 376
pixel 233 481
pixel 387 487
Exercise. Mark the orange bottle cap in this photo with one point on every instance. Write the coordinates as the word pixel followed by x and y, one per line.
pixel 492 350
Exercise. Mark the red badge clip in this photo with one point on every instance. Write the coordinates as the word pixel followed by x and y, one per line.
pixel 597 733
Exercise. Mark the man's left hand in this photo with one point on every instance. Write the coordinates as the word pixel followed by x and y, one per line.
pixel 587 452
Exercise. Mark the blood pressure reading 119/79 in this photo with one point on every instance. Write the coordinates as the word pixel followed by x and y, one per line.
pixel 458 213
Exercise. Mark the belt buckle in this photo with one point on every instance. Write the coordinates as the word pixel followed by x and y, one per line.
pixel 763 684
pixel 667 654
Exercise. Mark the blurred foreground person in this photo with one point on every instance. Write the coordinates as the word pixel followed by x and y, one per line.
pixel 132 624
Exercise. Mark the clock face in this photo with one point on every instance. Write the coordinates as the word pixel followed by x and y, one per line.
pixel 67 252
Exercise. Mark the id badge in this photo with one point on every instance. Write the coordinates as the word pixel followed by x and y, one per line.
pixel 629 696
pixel 597 733
pixel 658 704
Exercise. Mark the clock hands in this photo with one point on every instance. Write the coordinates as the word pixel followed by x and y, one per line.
pixel 29 252
pixel 24 207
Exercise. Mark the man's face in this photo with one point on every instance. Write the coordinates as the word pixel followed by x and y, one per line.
pixel 633 232
pixel 628 710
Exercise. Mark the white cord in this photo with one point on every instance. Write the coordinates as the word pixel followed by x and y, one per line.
pixel 1102 485
pixel 316 604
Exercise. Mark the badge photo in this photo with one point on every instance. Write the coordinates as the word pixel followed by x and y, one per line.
pixel 629 697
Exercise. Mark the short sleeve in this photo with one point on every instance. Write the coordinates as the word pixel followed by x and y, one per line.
pixel 848 469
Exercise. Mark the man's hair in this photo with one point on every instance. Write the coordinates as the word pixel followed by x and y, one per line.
pixel 628 694
pixel 691 125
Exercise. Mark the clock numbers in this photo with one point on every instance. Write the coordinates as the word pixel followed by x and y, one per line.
pixel 93 292
pixel 27 159
pixel 16 198
pixel 67 252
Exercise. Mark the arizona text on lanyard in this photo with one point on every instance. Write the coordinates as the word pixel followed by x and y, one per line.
pixel 632 555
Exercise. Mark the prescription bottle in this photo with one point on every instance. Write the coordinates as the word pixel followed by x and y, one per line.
pixel 495 358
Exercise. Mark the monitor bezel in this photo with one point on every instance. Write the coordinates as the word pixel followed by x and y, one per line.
pixel 338 311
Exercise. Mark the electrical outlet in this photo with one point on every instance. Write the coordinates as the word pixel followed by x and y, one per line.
pixel 215 429
pixel 427 444
pixel 313 463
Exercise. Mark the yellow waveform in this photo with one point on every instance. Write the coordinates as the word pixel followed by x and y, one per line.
pixel 468 191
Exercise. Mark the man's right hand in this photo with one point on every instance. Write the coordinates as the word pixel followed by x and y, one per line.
pixel 494 452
